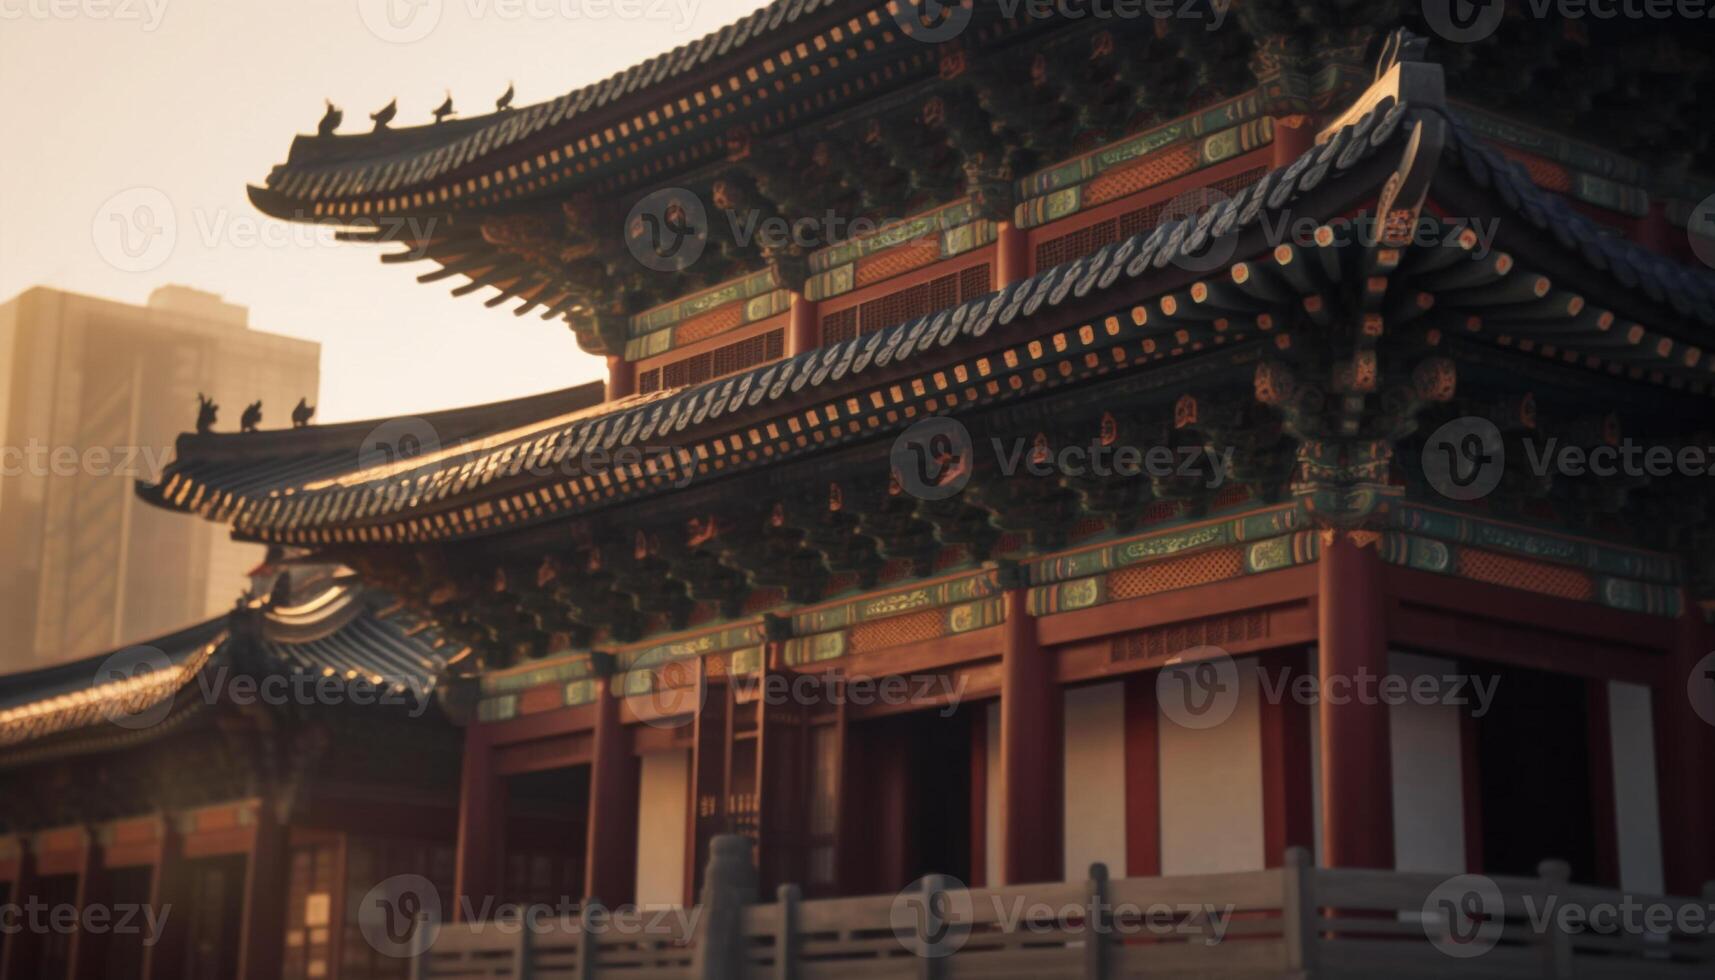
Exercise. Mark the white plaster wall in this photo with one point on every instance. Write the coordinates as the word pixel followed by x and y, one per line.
pixel 662 809
pixel 1211 789
pixel 992 797
pixel 1637 807
pixel 1094 780
pixel 1428 774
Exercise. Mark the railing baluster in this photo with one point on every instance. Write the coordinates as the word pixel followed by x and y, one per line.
pixel 1298 913
pixel 929 966
pixel 1096 925
pixel 1557 945
pixel 589 950
pixel 786 943
pixel 420 961
pixel 521 966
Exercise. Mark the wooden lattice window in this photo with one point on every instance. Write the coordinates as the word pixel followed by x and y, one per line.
pixel 839 327
pixel 1065 248
pixel 648 381
pixel 721 361
pixel 1091 238
pixel 907 304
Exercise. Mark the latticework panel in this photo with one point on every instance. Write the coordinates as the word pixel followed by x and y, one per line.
pixel 1157 168
pixel 904 258
pixel 1520 573
pixel 1176 573
pixel 745 353
pixel 708 324
pixel 896 630
pixel 1543 173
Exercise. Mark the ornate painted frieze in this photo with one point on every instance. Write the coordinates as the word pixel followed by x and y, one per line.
pixel 927 624
pixel 706 314
pixel 940 234
pixel 1159 155
pixel 558 683
pixel 1586 173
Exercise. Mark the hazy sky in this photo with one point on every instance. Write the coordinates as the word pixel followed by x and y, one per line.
pixel 107 102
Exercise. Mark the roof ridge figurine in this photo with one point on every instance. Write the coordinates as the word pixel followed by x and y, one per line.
pixel 207 412
pixel 330 119
pixel 385 115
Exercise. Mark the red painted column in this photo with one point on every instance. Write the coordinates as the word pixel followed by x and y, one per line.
pixel 89 891
pixel 1030 749
pixel 263 923
pixel 803 332
pixel 1685 755
pixel 1286 783
pixel 1654 232
pixel 1293 135
pixel 610 863
pixel 1142 778
pixel 1012 254
pixel 161 960
pixel 15 958
pixel 1357 770
pixel 621 378
pixel 482 824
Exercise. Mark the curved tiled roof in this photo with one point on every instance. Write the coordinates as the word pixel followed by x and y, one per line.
pixel 86 692
pixel 697 407
pixel 339 630
pixel 357 634
pixel 397 161
pixel 1690 292
pixel 300 513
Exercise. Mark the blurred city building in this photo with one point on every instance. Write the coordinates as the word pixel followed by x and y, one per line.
pixel 92 394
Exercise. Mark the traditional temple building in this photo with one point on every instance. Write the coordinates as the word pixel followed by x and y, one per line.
pixel 213 795
pixel 1282 243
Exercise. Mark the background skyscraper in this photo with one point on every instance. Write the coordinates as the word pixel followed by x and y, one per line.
pixel 92 395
